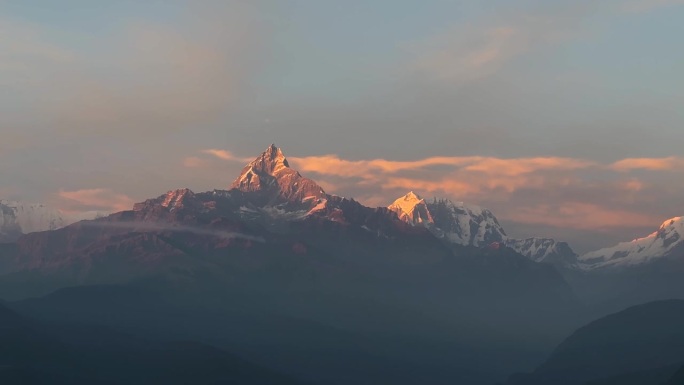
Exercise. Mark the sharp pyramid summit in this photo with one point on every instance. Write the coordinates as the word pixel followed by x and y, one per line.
pixel 271 175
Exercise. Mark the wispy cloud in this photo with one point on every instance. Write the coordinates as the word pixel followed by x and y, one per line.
pixel 653 164
pixel 581 215
pixel 478 49
pixel 226 155
pixel 25 48
pixel 93 199
pixel 145 78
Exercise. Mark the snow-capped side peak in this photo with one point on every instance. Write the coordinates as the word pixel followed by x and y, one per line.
pixel 667 241
pixel 411 208
pixel 472 225
pixel 18 218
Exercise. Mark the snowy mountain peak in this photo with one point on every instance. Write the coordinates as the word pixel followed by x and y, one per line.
pixel 454 222
pixel 471 225
pixel 411 208
pixel 18 218
pixel 271 175
pixel 270 161
pixel 667 241
pixel 412 196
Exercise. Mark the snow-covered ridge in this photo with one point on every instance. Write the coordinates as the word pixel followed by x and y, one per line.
pixel 466 224
pixel 667 241
pixel 544 250
pixel 472 225
pixel 18 218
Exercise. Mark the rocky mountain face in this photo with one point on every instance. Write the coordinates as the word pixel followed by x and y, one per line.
pixel 271 177
pixel 472 225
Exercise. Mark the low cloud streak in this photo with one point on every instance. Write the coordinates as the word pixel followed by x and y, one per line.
pixel 152 226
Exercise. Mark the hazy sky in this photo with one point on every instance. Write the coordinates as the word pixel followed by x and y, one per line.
pixel 566 118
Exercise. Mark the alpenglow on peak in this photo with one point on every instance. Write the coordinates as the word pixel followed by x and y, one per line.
pixel 270 173
pixel 411 208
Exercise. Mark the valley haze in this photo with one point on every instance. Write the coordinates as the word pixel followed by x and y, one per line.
pixel 455 192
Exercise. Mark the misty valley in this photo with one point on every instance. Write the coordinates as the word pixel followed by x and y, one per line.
pixel 456 192
pixel 275 281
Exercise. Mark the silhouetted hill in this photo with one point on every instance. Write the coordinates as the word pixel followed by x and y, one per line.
pixel 389 344
pixel 645 340
pixel 677 378
pixel 43 353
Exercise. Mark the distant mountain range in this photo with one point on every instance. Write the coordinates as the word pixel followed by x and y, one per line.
pixel 281 193
pixel 465 224
pixel 437 286
pixel 18 218
pixel 270 192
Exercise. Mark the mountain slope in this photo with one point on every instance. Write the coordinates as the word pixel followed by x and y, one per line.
pixel 677 378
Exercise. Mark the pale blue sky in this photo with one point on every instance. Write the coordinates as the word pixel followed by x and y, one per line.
pixel 114 97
